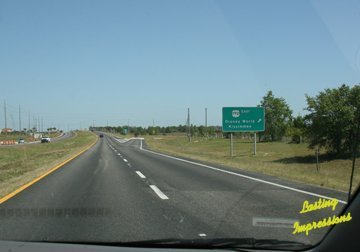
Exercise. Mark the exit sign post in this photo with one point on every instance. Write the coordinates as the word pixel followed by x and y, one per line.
pixel 243 119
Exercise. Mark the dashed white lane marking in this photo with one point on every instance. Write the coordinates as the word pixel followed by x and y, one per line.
pixel 245 176
pixel 159 192
pixel 140 174
pixel 125 160
pixel 119 154
pixel 129 164
pixel 202 235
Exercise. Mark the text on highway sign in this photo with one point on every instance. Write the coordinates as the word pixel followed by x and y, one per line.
pixel 243 119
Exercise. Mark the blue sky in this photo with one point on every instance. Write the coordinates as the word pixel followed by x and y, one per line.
pixel 73 63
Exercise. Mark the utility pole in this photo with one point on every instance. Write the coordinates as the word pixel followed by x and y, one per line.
pixel 231 145
pixel 29 121
pixel 19 118
pixel 206 129
pixel 33 122
pixel 13 124
pixel 254 143
pixel 5 115
pixel 188 122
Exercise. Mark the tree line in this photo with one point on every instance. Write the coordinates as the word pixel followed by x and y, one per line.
pixel 331 122
pixel 199 131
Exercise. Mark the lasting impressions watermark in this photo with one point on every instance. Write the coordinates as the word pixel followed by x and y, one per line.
pixel 325 222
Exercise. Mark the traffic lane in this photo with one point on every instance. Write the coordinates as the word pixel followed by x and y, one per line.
pixel 229 203
pixel 255 176
pixel 272 179
pixel 84 169
pixel 96 197
pixel 296 186
pixel 64 136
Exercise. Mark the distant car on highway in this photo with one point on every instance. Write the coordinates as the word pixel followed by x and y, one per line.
pixel 21 141
pixel 101 135
pixel 45 140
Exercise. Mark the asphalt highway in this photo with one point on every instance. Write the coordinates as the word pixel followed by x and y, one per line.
pixel 119 191
pixel 63 136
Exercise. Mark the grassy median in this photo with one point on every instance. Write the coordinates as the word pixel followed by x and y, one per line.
pixel 290 161
pixel 22 163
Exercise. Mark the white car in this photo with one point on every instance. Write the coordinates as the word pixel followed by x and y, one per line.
pixel 45 140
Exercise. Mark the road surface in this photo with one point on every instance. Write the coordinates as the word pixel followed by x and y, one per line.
pixel 63 136
pixel 119 191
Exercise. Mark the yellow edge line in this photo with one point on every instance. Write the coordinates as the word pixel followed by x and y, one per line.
pixel 22 188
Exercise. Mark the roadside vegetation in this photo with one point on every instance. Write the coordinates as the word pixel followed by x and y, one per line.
pixel 290 161
pixel 22 163
pixel 320 147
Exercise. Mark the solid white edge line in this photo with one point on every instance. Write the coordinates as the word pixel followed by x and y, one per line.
pixel 140 174
pixel 244 176
pixel 127 140
pixel 159 192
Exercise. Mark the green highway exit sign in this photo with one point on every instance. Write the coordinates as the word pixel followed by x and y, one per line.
pixel 243 119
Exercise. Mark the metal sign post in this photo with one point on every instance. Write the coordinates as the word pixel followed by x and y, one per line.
pixel 254 143
pixel 243 119
pixel 231 145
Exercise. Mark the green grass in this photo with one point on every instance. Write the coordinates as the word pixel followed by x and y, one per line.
pixel 290 161
pixel 20 164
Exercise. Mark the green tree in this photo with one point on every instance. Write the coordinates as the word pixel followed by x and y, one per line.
pixel 334 118
pixel 152 130
pixel 277 116
pixel 297 129
pixel 202 131
pixel 212 131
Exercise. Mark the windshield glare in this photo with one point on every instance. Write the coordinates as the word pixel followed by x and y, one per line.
pixel 205 124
